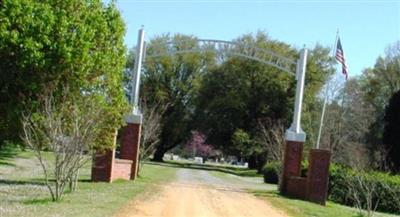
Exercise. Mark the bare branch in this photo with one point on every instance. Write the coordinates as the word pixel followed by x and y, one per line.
pixel 67 130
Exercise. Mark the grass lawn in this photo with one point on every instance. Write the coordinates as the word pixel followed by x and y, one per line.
pixel 23 194
pixel 293 207
pixel 239 171
pixel 301 208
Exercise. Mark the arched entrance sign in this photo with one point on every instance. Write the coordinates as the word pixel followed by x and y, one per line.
pixel 314 187
pixel 234 49
pixel 296 68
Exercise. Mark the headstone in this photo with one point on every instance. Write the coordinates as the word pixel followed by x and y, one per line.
pixel 198 160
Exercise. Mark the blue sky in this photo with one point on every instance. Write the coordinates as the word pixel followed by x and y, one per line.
pixel 365 27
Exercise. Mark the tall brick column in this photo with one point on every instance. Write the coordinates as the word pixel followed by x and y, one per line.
pixel 131 142
pixel 318 175
pixel 102 166
pixel 292 162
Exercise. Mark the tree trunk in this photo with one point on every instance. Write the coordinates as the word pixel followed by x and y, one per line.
pixel 252 162
pixel 159 154
pixel 257 161
pixel 261 160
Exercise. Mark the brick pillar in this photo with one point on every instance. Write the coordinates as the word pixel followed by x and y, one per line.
pixel 102 166
pixel 296 187
pixel 291 162
pixel 318 175
pixel 131 143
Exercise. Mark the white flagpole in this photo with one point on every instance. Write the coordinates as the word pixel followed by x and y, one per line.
pixel 321 123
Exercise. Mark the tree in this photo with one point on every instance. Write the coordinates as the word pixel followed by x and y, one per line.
pixel 172 81
pixel 272 135
pixel 151 129
pixel 48 45
pixel 382 81
pixel 379 84
pixel 219 94
pixel 244 144
pixel 347 121
pixel 391 133
pixel 364 193
pixel 238 93
pixel 69 131
pixel 196 146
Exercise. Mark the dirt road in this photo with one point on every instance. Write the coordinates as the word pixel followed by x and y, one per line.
pixel 198 193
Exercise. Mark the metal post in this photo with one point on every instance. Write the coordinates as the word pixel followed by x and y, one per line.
pixel 321 123
pixel 136 72
pixel 295 133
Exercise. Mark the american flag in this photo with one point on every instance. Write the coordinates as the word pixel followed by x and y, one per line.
pixel 340 57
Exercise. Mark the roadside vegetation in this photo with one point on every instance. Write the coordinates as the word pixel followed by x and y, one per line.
pixel 367 191
pixel 234 170
pixel 300 208
pixel 269 192
pixel 22 192
pixel 293 207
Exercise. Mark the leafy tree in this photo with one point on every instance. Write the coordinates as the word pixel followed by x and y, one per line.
pixel 48 45
pixel 391 134
pixel 245 145
pixel 237 94
pixel 382 81
pixel 379 84
pixel 221 95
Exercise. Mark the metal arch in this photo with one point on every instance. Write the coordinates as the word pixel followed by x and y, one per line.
pixel 238 49
pixel 294 133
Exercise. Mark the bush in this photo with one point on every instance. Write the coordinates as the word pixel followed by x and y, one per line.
pixel 304 168
pixel 386 193
pixel 271 172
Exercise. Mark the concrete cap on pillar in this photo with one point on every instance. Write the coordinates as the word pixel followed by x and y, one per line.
pixel 291 135
pixel 134 119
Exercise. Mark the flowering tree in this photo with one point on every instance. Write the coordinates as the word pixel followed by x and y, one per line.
pixel 197 146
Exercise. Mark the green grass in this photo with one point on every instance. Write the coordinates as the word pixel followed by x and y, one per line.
pixel 22 192
pixel 299 208
pixel 214 167
pixel 294 207
pixel 7 154
pixel 249 183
